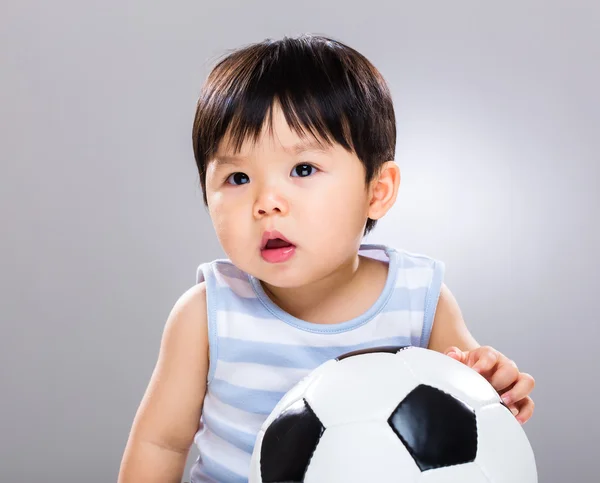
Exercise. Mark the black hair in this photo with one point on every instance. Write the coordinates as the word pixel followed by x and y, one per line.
pixel 324 87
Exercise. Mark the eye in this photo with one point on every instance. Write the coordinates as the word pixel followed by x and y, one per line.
pixel 238 178
pixel 303 170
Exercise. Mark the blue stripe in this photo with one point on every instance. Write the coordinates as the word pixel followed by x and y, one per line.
pixel 207 466
pixel 241 439
pixel 416 340
pixel 251 400
pixel 292 356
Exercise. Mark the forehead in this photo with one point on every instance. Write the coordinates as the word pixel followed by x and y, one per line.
pixel 276 135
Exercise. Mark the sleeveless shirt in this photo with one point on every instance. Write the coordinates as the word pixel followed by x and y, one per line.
pixel 257 351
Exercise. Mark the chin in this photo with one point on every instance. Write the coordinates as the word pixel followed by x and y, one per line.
pixel 278 276
pixel 281 275
pixel 280 282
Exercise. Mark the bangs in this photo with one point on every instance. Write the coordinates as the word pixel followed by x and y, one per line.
pixel 325 89
pixel 303 115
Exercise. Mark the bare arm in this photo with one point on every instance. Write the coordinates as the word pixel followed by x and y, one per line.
pixel 169 413
pixel 449 328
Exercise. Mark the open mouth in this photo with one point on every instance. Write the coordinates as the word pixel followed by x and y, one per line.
pixel 277 243
pixel 276 248
pixel 273 239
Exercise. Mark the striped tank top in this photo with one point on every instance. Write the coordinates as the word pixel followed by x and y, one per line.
pixel 258 351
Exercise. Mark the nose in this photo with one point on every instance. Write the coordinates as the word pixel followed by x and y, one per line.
pixel 270 202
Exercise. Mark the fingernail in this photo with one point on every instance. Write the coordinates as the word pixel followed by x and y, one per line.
pixel 506 400
pixel 514 411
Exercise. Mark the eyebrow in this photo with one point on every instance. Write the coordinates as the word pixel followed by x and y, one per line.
pixel 295 150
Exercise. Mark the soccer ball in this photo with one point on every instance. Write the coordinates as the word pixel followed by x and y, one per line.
pixel 392 414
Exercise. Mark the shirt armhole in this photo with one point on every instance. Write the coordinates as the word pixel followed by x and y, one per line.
pixel 431 301
pixel 204 273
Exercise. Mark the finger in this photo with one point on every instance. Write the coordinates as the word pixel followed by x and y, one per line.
pixel 506 389
pixel 506 373
pixel 514 409
pixel 484 359
pixel 455 353
pixel 526 407
pixel 524 385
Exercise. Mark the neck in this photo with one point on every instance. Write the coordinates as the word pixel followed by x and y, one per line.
pixel 315 301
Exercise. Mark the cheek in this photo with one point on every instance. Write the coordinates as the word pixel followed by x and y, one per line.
pixel 221 219
pixel 346 204
pixel 230 221
pixel 340 214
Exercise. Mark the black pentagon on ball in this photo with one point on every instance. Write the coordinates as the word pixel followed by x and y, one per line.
pixel 392 349
pixel 437 429
pixel 289 443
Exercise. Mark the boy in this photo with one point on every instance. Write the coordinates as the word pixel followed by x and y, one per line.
pixel 294 142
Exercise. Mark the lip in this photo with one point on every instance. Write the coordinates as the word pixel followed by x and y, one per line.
pixel 272 235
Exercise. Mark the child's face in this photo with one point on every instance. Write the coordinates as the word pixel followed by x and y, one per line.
pixel 316 198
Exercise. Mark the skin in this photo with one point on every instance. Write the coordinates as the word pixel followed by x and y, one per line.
pixel 322 210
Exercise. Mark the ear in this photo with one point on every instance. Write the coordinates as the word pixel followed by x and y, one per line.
pixel 383 190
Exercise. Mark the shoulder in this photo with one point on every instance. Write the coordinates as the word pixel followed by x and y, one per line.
pixel 189 310
pixel 186 325
pixel 449 327
pixel 193 298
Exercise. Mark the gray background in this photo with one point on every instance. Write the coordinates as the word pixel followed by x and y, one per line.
pixel 103 225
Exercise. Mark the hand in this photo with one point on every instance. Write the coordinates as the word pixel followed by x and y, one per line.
pixel 502 373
